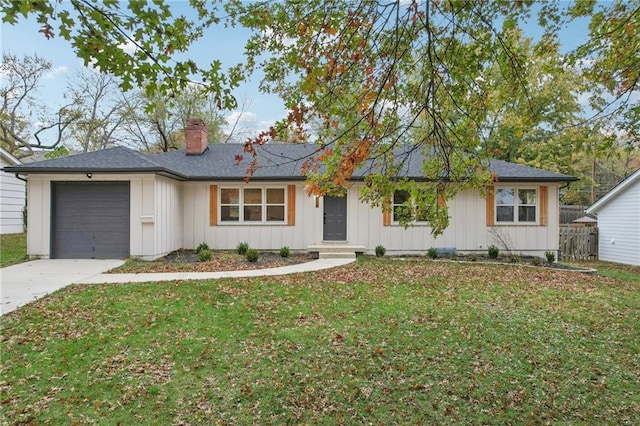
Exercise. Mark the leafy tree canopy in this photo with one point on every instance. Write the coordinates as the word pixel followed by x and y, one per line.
pixel 372 77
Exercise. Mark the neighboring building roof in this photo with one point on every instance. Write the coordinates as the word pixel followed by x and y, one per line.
pixel 34 156
pixel 585 219
pixel 617 190
pixel 275 161
pixel 9 157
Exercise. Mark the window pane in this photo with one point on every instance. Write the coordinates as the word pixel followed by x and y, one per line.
pixel 400 197
pixel 253 196
pixel 252 213
pixel 527 196
pixel 229 196
pixel 422 214
pixel 229 213
pixel 401 213
pixel 527 213
pixel 504 196
pixel 504 213
pixel 275 213
pixel 275 196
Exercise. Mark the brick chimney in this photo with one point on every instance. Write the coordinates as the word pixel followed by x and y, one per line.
pixel 196 136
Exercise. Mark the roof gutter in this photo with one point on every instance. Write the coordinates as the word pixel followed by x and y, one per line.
pixel 42 170
pixel 179 176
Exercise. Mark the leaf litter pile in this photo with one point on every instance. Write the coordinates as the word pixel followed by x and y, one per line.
pixel 379 341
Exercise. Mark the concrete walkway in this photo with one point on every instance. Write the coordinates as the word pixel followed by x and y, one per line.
pixel 26 282
pixel 315 265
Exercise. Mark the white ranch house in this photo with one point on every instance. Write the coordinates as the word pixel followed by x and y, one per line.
pixel 118 202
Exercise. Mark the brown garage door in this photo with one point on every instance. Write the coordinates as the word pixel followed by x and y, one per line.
pixel 89 220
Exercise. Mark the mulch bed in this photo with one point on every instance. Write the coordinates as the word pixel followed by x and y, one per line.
pixel 222 260
pixel 511 260
pixel 229 260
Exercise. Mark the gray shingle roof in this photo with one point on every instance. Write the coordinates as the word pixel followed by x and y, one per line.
pixel 511 172
pixel 118 159
pixel 275 161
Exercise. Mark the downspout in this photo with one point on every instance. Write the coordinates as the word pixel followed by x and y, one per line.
pixel 24 210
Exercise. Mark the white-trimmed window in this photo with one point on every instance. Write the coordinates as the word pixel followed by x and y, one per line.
pixel 403 208
pixel 275 203
pixel 252 205
pixel 516 205
pixel 230 205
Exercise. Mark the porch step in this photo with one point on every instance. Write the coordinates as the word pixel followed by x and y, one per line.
pixel 336 255
pixel 328 250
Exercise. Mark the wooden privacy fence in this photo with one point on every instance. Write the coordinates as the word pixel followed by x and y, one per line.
pixel 570 213
pixel 578 243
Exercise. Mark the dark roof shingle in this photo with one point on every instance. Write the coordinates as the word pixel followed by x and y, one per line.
pixel 218 162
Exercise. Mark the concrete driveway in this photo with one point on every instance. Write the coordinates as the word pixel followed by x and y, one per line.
pixel 26 282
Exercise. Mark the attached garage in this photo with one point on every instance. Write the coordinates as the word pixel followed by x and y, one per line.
pixel 90 220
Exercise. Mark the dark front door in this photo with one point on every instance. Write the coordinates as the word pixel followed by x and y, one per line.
pixel 335 219
pixel 90 220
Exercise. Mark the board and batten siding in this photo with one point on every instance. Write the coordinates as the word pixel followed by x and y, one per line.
pixel 156 216
pixel 168 207
pixel 197 227
pixel 467 230
pixel 12 200
pixel 619 227
pixel 155 212
pixel 166 215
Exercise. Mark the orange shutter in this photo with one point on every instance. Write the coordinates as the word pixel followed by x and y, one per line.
pixel 291 205
pixel 490 206
pixel 386 213
pixel 213 205
pixel 544 205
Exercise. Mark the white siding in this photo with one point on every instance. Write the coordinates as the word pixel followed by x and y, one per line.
pixel 156 215
pixel 467 231
pixel 196 228
pixel 147 194
pixel 38 216
pixel 166 215
pixel 619 227
pixel 12 201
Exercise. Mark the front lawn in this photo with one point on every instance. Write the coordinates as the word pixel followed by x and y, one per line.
pixel 380 341
pixel 13 249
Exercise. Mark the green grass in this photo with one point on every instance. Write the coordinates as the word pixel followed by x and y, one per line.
pixel 613 270
pixel 13 249
pixel 380 341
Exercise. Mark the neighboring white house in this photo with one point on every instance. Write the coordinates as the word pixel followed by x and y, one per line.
pixel 619 222
pixel 12 197
pixel 118 202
